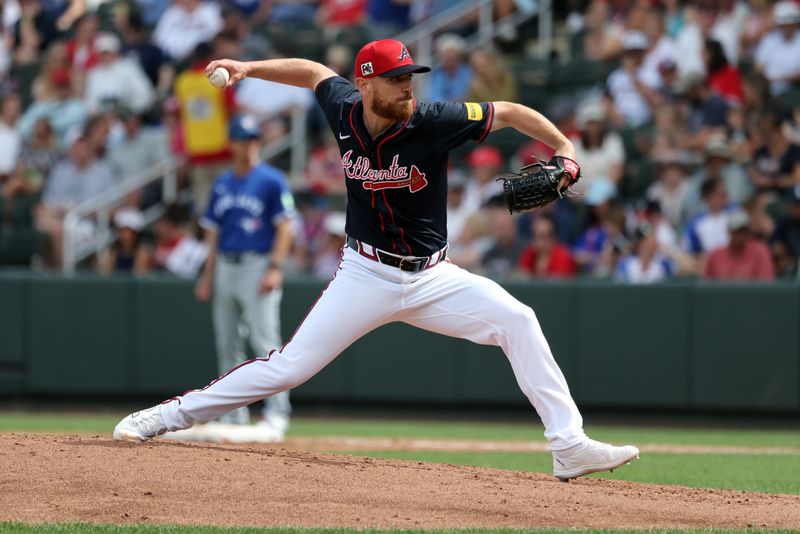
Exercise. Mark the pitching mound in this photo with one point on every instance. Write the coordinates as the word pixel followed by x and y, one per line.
pixel 56 478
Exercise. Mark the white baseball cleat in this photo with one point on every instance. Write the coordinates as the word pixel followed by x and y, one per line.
pixel 591 456
pixel 140 426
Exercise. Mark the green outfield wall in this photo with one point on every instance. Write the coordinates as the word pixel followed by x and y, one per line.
pixel 687 345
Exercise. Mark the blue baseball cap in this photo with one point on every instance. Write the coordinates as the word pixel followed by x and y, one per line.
pixel 244 128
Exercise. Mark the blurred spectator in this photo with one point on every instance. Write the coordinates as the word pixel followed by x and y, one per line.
pixel 728 27
pixel 458 212
pixel 64 112
pixel 776 164
pixel 759 208
pixel 743 258
pixel 709 229
pixel 204 115
pixel 631 93
pixel 599 150
pixel 10 142
pixel 291 12
pixel 492 80
pixel 116 79
pixel 329 256
pixel 786 240
pixel 151 10
pixel 152 60
pixel 604 31
pixel 40 154
pixel 645 264
pixel 698 20
pixel 387 18
pixel 77 178
pixel 324 170
pixel 55 59
pixel 704 113
pixel 590 244
pixel 33 31
pixel 485 163
pixel 309 229
pixel 501 259
pixel 662 48
pixel 778 53
pixel 140 149
pixel 184 25
pixel 757 23
pixel 451 81
pixel 545 257
pixel 671 188
pixel 176 250
pixel 128 253
pixel 267 100
pixel 334 15
pixel 81 48
pixel 723 78
pixel 718 163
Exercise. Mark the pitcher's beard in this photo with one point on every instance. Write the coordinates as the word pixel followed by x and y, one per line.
pixel 396 111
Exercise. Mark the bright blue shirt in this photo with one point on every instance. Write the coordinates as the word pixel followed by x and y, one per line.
pixel 245 209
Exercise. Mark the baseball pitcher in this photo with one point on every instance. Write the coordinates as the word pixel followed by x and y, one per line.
pixel 394 266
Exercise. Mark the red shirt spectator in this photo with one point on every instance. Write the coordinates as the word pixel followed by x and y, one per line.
pixel 727 82
pixel 545 257
pixel 343 12
pixel 723 78
pixel 744 258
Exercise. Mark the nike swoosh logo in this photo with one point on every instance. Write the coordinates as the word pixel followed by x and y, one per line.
pixel 343 137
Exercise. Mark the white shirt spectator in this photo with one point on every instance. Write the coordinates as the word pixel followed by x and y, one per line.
pixel 627 98
pixel 10 144
pixel 689 45
pixel 597 162
pixel 187 257
pixel 728 28
pixel 664 50
pixel 267 99
pixel 631 271
pixel 122 80
pixel 779 59
pixel 707 231
pixel 180 30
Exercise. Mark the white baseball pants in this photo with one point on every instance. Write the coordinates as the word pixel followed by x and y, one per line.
pixel 366 294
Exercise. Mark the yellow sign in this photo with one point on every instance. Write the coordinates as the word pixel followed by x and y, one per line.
pixel 474 111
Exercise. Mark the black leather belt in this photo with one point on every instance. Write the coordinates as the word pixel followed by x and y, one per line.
pixel 404 263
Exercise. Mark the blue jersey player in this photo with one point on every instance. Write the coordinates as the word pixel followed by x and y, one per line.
pixel 394 267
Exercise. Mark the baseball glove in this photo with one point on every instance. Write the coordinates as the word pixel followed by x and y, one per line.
pixel 537 185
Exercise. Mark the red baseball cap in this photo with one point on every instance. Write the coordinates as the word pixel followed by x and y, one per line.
pixel 386 58
pixel 485 156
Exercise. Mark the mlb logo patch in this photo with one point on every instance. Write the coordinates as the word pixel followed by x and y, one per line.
pixel 366 68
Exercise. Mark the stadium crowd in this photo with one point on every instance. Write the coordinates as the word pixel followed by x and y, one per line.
pixel 685 116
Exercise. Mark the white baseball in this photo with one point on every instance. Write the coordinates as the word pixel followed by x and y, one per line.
pixel 219 78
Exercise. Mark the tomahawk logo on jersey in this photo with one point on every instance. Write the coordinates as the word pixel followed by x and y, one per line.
pixel 397 182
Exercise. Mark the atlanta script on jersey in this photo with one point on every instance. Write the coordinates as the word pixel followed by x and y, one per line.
pixel 397 183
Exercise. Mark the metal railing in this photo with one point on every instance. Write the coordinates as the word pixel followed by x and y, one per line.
pixel 296 141
pixel 87 226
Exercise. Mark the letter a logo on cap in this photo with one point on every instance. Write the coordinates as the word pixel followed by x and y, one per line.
pixel 403 54
pixel 366 68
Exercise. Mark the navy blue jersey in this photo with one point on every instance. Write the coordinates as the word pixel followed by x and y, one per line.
pixel 244 210
pixel 397 183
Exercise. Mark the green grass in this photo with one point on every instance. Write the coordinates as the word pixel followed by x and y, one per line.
pixel 80 528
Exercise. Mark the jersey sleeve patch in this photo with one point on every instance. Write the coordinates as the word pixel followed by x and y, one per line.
pixel 474 111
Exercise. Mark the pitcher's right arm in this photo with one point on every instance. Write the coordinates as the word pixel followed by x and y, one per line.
pixel 290 71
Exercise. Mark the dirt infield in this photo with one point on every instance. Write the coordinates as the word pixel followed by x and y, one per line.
pixel 58 478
